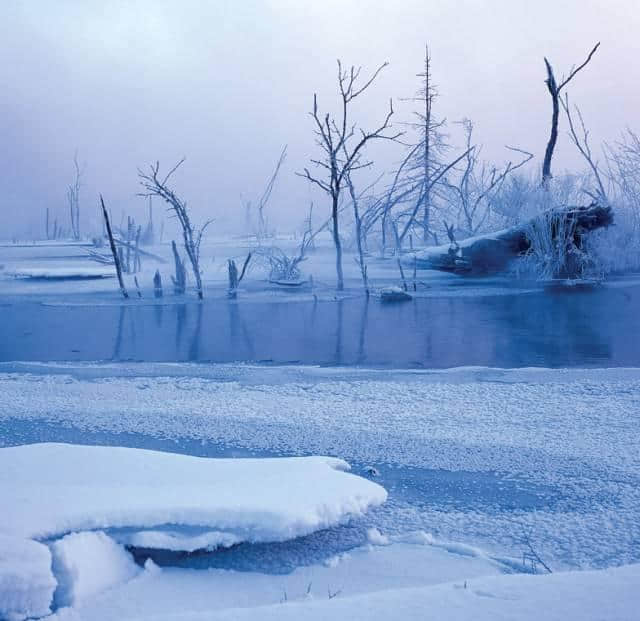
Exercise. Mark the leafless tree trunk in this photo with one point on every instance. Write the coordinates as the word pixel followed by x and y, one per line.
pixel 493 252
pixel 234 278
pixel 157 284
pixel 554 90
pixel 114 252
pixel 342 148
pixel 358 225
pixel 180 279
pixel 73 197
pixel 191 238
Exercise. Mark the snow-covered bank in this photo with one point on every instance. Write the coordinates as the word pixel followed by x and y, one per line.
pixel 483 456
pixel 49 490
pixel 52 489
pixel 588 596
pixel 173 591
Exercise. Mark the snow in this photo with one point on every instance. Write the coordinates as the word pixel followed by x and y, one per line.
pixel 367 569
pixel 52 489
pixel 61 273
pixel 399 581
pixel 376 538
pixel 26 581
pixel 474 455
pixel 88 563
pixel 589 596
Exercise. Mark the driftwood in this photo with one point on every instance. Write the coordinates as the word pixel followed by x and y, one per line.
pixel 493 252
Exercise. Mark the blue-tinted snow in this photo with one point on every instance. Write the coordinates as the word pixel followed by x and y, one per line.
pixel 484 456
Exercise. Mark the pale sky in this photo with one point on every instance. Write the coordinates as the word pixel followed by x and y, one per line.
pixel 227 84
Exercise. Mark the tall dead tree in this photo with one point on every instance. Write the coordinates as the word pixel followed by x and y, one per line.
pixel 425 161
pixel 343 146
pixel 73 198
pixel 191 237
pixel 555 90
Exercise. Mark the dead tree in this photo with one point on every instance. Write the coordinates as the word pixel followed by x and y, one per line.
pixel 234 278
pixel 343 147
pixel 73 198
pixel 425 162
pixel 358 225
pixel 284 268
pixel 148 236
pixel 477 184
pixel 157 284
pixel 180 279
pixel 114 252
pixel 494 251
pixel 582 144
pixel 555 90
pixel 192 238
pixel 266 195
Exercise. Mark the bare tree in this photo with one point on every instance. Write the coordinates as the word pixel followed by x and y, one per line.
pixel 343 147
pixel 266 195
pixel 73 198
pixel 555 90
pixel 425 161
pixel 192 238
pixel 478 183
pixel 582 144
pixel 358 226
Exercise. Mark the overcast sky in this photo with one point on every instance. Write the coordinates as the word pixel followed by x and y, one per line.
pixel 228 83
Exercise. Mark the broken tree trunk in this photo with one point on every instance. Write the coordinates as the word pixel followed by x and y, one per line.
pixel 180 279
pixel 116 259
pixel 493 252
pixel 157 284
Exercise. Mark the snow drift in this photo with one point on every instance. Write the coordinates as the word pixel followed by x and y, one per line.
pixel 53 489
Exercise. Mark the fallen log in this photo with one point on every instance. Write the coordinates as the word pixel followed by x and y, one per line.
pixel 494 251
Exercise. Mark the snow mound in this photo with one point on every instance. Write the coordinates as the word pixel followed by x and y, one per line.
pixel 86 564
pixel 50 490
pixel 26 581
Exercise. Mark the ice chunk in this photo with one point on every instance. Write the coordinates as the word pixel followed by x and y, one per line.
pixel 86 564
pixel 63 273
pixel 26 581
pixel 53 489
pixel 177 541
pixel 376 538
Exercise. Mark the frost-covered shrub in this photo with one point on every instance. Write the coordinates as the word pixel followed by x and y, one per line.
pixel 557 250
pixel 281 266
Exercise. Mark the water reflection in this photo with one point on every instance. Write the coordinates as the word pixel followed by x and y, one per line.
pixel 540 329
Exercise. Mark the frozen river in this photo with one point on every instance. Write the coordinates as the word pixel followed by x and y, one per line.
pixel 488 457
pixel 487 326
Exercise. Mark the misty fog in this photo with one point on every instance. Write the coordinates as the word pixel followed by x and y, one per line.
pixel 228 84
